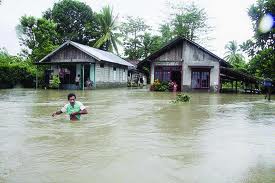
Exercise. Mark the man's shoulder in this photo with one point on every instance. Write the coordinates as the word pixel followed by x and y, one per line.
pixel 66 105
pixel 78 103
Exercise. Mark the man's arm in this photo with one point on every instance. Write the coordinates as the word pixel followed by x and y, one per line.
pixel 56 113
pixel 84 111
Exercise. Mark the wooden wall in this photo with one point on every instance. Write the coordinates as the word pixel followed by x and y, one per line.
pixel 70 53
pixel 172 54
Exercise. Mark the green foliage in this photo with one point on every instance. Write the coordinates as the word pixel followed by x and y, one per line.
pixel 263 64
pixel 75 21
pixel 233 56
pixel 261 47
pixel 38 35
pixel 108 38
pixel 256 12
pixel 166 33
pixel 181 98
pixel 150 44
pixel 133 32
pixel 159 86
pixel 14 70
pixel 55 82
pixel 261 40
pixel 188 21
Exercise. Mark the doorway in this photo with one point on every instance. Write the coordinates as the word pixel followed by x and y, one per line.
pixel 176 77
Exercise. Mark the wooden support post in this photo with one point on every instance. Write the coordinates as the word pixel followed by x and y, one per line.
pixel 36 78
pixel 82 76
pixel 94 76
pixel 220 84
pixel 269 93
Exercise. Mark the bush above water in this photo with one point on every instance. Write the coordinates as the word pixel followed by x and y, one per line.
pixel 159 86
pixel 14 70
pixel 181 98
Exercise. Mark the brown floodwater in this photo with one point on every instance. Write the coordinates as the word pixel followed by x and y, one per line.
pixel 137 136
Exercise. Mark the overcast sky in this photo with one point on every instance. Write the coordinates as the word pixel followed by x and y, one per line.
pixel 228 17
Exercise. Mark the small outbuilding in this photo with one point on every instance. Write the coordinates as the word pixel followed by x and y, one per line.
pixel 135 76
pixel 73 61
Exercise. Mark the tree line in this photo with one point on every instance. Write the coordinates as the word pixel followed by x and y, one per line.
pixel 76 21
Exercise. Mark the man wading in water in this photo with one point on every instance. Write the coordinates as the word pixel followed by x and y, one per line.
pixel 74 108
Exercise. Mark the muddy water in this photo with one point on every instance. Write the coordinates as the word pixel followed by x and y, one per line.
pixel 136 136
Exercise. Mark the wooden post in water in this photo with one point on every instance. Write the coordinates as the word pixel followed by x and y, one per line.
pixel 269 93
pixel 36 78
pixel 83 77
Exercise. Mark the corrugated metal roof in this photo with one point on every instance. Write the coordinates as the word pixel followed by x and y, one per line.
pixel 93 52
pixel 101 55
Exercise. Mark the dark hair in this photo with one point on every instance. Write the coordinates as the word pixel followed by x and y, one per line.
pixel 71 95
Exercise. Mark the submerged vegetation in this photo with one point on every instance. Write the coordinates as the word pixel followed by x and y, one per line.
pixel 159 86
pixel 181 98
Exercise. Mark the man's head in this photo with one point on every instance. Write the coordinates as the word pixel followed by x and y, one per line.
pixel 71 98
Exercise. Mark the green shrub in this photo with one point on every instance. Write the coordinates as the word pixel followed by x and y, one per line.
pixel 55 82
pixel 181 98
pixel 159 86
pixel 15 70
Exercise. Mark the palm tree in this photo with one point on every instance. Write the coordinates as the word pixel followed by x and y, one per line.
pixel 233 56
pixel 108 38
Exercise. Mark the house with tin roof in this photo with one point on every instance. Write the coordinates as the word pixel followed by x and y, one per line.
pixel 72 60
pixel 193 68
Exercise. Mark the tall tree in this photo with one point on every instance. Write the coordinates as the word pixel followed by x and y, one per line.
pixel 189 21
pixel 108 37
pixel 39 36
pixel 150 44
pixel 166 33
pixel 233 56
pixel 133 30
pixel 75 21
pixel 262 39
pixel 263 64
pixel 262 45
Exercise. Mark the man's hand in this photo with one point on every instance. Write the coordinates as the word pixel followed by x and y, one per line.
pixel 74 113
pixel 73 116
pixel 56 113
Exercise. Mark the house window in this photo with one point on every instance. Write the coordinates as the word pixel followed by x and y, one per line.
pixel 114 71
pixel 164 73
pixel 101 65
pixel 200 79
pixel 166 76
pixel 123 75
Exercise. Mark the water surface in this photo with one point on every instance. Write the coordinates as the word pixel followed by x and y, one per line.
pixel 132 135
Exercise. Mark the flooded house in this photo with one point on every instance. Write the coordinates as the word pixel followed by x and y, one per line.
pixel 192 67
pixel 136 77
pixel 71 60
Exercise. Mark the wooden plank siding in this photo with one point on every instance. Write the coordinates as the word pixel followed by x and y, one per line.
pixel 107 76
pixel 69 54
pixel 173 54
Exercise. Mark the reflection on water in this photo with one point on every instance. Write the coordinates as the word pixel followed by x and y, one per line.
pixel 136 136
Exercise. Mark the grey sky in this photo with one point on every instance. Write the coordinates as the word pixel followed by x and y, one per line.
pixel 229 18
